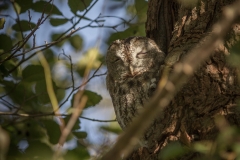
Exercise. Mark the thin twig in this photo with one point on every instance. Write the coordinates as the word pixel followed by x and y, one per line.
pixel 83 84
pixel 35 115
pixel 41 20
pixel 33 54
pixel 12 106
pixel 94 75
pixel 75 24
pixel 6 94
pixel 71 68
pixel 6 104
pixel 18 20
pixel 73 119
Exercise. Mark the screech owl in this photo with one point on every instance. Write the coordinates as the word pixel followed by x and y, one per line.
pixel 133 73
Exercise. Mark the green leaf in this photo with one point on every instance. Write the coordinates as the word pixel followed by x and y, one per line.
pixel 80 135
pixel 33 131
pixel 18 93
pixel 13 151
pixel 53 130
pixel 2 22
pixel 92 56
pixel 8 86
pixel 30 129
pixel 78 5
pixel 17 8
pixel 55 37
pixel 33 73
pixel 133 30
pixel 48 8
pixel 3 71
pixel 204 147
pixel 41 91
pixel 60 94
pixel 76 41
pixel 37 150
pixel 49 55
pixel 112 129
pixel 24 5
pixel 4 6
pixel 141 8
pixel 58 21
pixel 234 57
pixel 172 151
pixel 9 65
pixel 6 42
pixel 93 98
pixel 227 135
pixel 140 5
pixel 25 26
pixel 76 125
pixel 76 152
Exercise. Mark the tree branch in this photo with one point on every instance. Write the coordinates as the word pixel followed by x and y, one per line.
pixel 35 115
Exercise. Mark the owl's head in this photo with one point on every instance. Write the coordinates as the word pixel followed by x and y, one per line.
pixel 132 57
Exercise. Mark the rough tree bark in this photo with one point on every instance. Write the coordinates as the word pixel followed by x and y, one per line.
pixel 214 88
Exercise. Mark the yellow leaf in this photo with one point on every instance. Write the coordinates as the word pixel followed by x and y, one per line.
pixel 90 59
pixel 2 22
pixel 18 8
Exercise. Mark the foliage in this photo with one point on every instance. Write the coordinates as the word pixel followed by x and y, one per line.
pixel 27 101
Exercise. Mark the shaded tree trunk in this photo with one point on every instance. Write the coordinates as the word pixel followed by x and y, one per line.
pixel 214 88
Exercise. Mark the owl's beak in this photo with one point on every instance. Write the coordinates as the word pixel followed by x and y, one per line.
pixel 131 70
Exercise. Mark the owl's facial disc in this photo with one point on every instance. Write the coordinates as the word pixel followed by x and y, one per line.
pixel 132 57
pixel 142 60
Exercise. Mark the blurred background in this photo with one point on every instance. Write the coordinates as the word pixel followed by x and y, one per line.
pixel 70 35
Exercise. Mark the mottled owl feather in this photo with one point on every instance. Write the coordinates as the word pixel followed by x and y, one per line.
pixel 133 73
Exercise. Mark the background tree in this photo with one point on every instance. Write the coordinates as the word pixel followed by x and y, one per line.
pixel 207 104
pixel 31 94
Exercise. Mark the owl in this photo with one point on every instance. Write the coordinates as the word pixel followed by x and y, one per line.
pixel 133 73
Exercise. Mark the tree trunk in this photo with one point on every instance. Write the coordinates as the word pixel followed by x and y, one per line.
pixel 214 88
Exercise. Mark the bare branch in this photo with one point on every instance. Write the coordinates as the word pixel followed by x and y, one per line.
pixel 25 40
pixel 75 24
pixel 94 75
pixel 97 120
pixel 83 84
pixel 48 46
pixel 18 19
pixel 6 94
pixel 77 110
pixel 8 103
pixel 71 69
pixel 35 115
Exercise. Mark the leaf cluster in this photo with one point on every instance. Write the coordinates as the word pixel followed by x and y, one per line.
pixel 26 109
